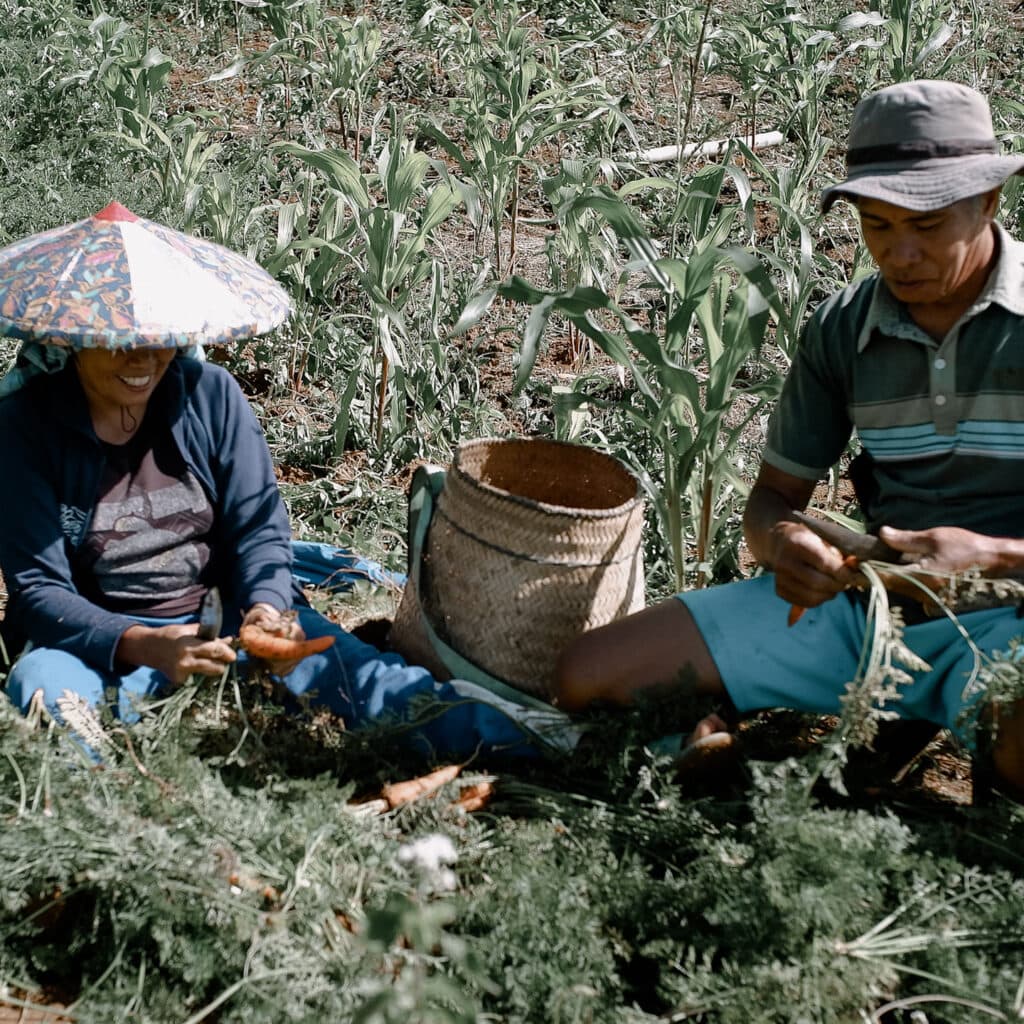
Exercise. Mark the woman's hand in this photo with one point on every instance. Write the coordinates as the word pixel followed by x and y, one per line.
pixel 808 571
pixel 283 624
pixel 175 650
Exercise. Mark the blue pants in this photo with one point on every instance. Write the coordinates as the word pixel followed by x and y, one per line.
pixel 351 678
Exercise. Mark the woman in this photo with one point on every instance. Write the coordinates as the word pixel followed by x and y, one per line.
pixel 137 481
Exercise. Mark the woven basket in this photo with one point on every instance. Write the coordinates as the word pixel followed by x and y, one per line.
pixel 532 542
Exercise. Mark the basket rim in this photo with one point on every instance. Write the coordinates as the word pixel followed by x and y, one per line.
pixel 532 503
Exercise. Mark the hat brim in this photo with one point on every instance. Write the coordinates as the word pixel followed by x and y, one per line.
pixel 925 185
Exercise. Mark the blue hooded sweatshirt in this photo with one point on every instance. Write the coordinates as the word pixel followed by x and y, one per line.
pixel 51 464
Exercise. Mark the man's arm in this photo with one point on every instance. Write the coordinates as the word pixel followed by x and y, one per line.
pixel 807 571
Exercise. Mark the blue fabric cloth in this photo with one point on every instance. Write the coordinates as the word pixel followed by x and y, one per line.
pixel 764 663
pixel 33 359
pixel 335 569
pixel 51 458
pixel 352 678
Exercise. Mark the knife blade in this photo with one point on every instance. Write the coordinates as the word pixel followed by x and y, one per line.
pixel 211 615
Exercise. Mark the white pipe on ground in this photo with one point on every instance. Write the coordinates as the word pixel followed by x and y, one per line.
pixel 714 147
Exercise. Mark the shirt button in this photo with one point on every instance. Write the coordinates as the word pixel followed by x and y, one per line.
pixel 940 399
pixel 940 363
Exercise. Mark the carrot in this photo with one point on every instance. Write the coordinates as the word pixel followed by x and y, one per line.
pixel 398 793
pixel 475 797
pixel 261 643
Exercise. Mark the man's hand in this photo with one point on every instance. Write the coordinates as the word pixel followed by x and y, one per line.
pixel 808 571
pixel 174 650
pixel 945 549
pixel 931 557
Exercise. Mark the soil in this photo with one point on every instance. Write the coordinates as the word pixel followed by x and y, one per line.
pixel 906 766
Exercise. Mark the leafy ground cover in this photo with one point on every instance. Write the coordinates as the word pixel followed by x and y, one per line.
pixel 459 200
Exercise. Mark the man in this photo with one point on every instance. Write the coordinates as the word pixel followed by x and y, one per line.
pixel 925 361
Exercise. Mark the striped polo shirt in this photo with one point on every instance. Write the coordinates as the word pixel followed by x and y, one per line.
pixel 943 421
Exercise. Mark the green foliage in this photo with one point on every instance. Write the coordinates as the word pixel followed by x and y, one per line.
pixel 513 104
pixel 352 55
pixel 239 880
pixel 384 255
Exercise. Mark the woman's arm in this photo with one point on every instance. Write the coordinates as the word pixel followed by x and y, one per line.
pixel 174 650
pixel 253 531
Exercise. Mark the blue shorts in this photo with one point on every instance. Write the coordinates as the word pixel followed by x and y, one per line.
pixel 764 663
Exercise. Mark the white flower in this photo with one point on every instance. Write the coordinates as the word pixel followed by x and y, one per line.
pixel 431 856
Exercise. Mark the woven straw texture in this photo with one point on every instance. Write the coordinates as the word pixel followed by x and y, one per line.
pixel 532 542
pixel 408 638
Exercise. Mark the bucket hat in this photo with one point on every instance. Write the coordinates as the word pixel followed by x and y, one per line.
pixel 922 146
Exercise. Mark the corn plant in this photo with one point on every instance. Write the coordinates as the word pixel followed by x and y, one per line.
pixel 582 249
pixel 129 78
pixel 174 151
pixel 1007 112
pixel 910 40
pixel 443 34
pixel 755 60
pixel 807 73
pixel 221 214
pixel 505 114
pixel 328 61
pixel 314 229
pixel 178 160
pixel 351 49
pixel 681 36
pixel 678 400
pixel 294 24
pixel 390 236
pixel 800 272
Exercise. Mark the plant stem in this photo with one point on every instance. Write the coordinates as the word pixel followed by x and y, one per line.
pixel 385 366
pixel 675 518
pixel 514 204
pixel 683 135
pixel 899 1004
pixel 231 990
pixel 704 532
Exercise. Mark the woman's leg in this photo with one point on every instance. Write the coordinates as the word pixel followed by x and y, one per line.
pixel 55 672
pixel 51 673
pixel 364 685
pixel 57 675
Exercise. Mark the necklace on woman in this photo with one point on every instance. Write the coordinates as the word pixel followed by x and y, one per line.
pixel 129 424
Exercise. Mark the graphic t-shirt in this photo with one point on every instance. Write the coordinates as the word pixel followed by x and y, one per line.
pixel 148 544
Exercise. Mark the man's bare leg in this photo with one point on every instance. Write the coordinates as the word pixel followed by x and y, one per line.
pixel 655 650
